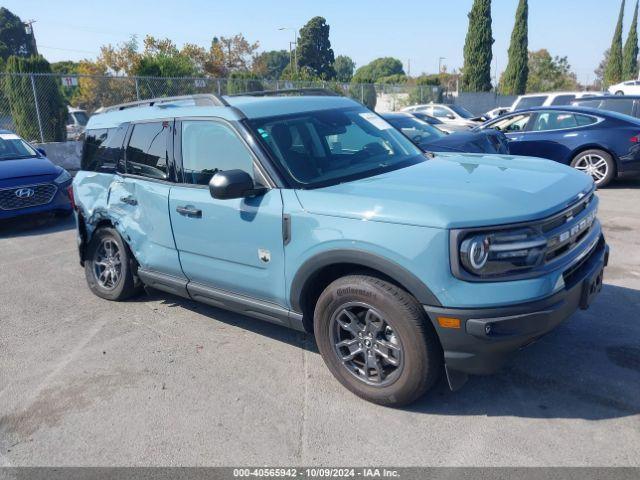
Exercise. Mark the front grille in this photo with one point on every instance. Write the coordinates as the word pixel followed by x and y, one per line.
pixel 573 222
pixel 26 196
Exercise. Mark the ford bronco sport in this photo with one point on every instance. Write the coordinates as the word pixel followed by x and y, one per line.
pixel 312 212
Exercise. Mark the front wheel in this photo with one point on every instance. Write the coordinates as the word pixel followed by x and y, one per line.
pixel 376 340
pixel 596 163
pixel 109 266
pixel 619 92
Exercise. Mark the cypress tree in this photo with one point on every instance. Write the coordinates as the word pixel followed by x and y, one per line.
pixel 613 71
pixel 514 80
pixel 630 53
pixel 477 49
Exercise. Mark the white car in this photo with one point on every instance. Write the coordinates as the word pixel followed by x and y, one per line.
pixel 549 99
pixel 76 122
pixel 632 87
pixel 448 114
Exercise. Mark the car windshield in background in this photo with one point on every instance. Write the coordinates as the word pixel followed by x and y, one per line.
pixel 463 112
pixel 81 117
pixel 529 102
pixel 13 147
pixel 419 132
pixel 331 146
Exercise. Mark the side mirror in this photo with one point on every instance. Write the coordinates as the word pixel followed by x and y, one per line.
pixel 41 152
pixel 451 116
pixel 229 184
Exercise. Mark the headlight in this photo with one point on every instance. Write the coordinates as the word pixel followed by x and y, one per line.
pixel 496 253
pixel 63 177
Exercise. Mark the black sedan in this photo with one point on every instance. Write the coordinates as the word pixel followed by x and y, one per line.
pixel 429 138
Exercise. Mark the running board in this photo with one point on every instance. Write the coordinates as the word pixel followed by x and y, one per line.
pixel 252 307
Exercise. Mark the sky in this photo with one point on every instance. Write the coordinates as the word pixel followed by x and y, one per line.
pixel 418 32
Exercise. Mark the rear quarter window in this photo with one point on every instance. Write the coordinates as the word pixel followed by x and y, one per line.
pixel 584 120
pixel 102 149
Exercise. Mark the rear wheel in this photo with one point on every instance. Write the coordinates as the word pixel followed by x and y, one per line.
pixel 376 340
pixel 109 266
pixel 596 163
pixel 619 92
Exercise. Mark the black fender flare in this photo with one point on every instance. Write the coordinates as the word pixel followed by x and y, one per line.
pixel 361 258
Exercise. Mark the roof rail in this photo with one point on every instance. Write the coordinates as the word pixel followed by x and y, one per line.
pixel 289 91
pixel 201 99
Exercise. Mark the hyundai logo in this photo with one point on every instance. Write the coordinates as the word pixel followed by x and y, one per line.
pixel 24 192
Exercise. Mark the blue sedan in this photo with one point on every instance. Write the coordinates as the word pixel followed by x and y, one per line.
pixel 602 144
pixel 29 182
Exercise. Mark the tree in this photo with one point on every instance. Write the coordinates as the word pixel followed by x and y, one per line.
pixel 238 52
pixel 271 64
pixel 477 49
pixel 547 73
pixel 314 48
pixel 599 72
pixel 51 106
pixel 240 82
pixel 630 52
pixel 514 78
pixel 378 68
pixel 613 70
pixel 14 40
pixel 344 67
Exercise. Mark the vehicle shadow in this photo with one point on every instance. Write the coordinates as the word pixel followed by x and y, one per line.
pixel 623 183
pixel 35 225
pixel 588 368
pixel 267 329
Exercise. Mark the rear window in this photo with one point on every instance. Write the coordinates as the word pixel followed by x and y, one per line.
pixel 102 149
pixel 620 105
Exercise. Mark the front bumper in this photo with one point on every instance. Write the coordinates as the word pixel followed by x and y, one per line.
pixel 486 337
pixel 60 202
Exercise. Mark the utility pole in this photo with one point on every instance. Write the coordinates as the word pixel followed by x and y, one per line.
pixel 295 52
pixel 28 29
pixel 408 67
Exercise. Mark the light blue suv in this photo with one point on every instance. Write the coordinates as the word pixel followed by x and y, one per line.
pixel 312 212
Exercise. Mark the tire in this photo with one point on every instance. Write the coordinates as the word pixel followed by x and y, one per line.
pixel 408 339
pixel 122 282
pixel 619 92
pixel 591 163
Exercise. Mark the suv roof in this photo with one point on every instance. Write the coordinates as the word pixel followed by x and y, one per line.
pixel 227 107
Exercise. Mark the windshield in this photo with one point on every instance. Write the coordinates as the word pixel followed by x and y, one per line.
pixel 463 112
pixel 81 118
pixel 419 132
pixel 12 147
pixel 331 146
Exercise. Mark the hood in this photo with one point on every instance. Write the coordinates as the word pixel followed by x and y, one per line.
pixel 455 191
pixel 26 167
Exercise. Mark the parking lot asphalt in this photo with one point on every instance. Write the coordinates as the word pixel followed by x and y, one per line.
pixel 160 380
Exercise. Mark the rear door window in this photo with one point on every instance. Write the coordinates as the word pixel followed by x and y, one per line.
pixel 554 121
pixel 147 154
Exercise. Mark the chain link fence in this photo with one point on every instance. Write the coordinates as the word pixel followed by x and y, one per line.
pixel 53 107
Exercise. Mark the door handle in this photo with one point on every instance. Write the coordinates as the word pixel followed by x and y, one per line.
pixel 129 200
pixel 189 211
